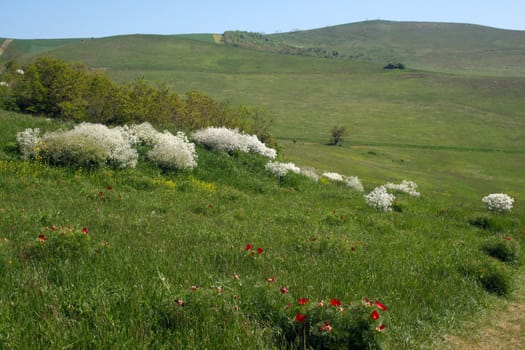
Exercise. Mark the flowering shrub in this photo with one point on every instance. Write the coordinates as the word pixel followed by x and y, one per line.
pixel 380 199
pixel 224 139
pixel 405 186
pixel 92 145
pixel 281 169
pixel 27 142
pixel 351 181
pixel 173 151
pixel 498 202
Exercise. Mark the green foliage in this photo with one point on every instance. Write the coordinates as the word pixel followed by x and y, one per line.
pixel 394 65
pixel 68 91
pixel 506 250
pixel 337 135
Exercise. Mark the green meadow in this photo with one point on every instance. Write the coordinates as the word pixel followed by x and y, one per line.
pixel 164 262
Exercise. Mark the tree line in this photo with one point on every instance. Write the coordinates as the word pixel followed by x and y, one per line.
pixel 71 92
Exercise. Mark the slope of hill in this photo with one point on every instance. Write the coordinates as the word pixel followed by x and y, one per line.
pixel 445 47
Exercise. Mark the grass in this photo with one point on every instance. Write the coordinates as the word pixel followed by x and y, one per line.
pixel 154 235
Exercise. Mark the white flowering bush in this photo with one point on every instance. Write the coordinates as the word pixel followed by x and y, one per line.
pixel 498 202
pixel 310 173
pixel 224 139
pixel 28 141
pixel 333 176
pixel 351 181
pixel 173 151
pixel 405 186
pixel 143 133
pixel 120 150
pixel 354 183
pixel 380 199
pixel 281 169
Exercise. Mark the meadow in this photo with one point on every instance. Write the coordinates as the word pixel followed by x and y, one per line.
pixel 164 261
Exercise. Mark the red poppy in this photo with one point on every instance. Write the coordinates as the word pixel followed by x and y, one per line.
pixel 284 290
pixel 353 248
pixel 381 327
pixel 109 188
pixel 374 315
pixel 260 250
pixel 249 247
pixel 507 238
pixel 335 302
pixel 380 306
pixel 210 206
pixel 42 238
pixel 84 230
pixel 100 194
pixel 303 301
pixel 300 317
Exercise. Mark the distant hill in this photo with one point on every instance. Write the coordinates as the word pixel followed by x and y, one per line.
pixel 444 47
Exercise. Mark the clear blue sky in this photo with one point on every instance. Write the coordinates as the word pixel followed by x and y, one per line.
pixel 24 19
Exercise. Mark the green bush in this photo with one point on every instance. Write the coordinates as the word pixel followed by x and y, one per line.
pixel 505 250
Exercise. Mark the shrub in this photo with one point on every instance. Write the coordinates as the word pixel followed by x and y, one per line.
pixel 229 140
pixel 350 181
pixel 281 169
pixel 27 142
pixel 405 186
pixel 64 148
pixel 380 199
pixel 505 250
pixel 333 176
pixel 337 134
pixel 173 151
pixel 498 202
pixel 495 279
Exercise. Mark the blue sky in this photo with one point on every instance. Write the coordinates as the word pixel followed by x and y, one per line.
pixel 25 19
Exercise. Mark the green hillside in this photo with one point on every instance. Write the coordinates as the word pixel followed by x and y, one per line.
pixel 445 47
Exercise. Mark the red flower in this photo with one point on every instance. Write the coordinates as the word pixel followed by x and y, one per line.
pixel 210 206
pixel 380 306
pixel 303 301
pixel 260 250
pixel 100 194
pixel 249 247
pixel 42 238
pixel 374 315
pixel 326 328
pixel 381 327
pixel 335 302
pixel 179 302
pixel 84 230
pixel 284 290
pixel 270 280
pixel 300 317
pixel 507 238
pixel 368 302
pixel 109 188
pixel 353 248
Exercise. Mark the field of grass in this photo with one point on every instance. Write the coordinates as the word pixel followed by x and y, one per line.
pixel 154 234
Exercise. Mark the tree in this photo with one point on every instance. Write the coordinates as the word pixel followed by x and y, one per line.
pixel 337 134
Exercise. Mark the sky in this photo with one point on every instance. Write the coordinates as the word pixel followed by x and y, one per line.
pixel 43 19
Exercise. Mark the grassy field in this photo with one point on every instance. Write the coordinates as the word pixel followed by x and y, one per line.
pixel 154 235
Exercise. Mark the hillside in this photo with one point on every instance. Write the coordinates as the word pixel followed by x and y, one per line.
pixel 444 47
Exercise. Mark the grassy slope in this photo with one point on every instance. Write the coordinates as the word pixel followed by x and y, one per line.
pixel 446 47
pixel 192 230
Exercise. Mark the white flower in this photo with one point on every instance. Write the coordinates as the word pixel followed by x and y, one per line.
pixel 19 71
pixel 310 173
pixel 498 202
pixel 3 83
pixel 405 186
pixel 380 199
pixel 333 176
pixel 27 141
pixel 173 151
pixel 224 139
